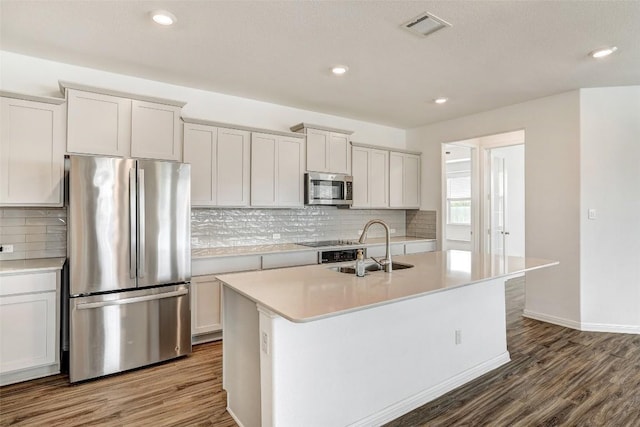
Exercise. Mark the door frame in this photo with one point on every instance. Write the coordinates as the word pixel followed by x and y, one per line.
pixel 480 146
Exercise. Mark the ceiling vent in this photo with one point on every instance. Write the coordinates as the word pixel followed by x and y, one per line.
pixel 425 24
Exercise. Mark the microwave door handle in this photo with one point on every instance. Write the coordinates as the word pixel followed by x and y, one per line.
pixel 133 226
pixel 141 224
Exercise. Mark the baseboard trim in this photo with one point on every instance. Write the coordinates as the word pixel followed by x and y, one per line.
pixel 560 321
pixel 606 327
pixel 234 417
pixel 583 326
pixel 396 410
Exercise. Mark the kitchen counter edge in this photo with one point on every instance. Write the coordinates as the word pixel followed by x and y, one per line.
pixel 21 266
pixel 203 253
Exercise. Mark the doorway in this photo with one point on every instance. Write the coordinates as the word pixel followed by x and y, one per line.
pixel 483 194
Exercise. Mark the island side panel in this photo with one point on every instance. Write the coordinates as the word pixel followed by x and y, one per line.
pixel 371 366
pixel 241 358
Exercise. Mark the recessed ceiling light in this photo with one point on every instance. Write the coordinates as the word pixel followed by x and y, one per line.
pixel 163 17
pixel 339 70
pixel 601 53
pixel 440 100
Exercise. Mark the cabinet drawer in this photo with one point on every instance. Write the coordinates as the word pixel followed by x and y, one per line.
pixel 380 251
pixel 289 259
pixel 417 247
pixel 230 264
pixel 28 283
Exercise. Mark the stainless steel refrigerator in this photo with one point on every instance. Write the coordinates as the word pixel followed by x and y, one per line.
pixel 129 263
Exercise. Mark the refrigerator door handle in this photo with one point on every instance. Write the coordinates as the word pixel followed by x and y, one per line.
pixel 172 294
pixel 141 220
pixel 133 223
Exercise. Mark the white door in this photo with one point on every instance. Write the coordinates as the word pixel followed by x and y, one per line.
pixel 506 218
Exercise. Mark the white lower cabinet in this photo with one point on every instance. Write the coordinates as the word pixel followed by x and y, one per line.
pixel 29 326
pixel 205 305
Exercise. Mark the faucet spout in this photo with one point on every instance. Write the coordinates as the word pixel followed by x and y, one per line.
pixel 363 237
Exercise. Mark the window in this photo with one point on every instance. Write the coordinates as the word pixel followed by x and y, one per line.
pixel 459 198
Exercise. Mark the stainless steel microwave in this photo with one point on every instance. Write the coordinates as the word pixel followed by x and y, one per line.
pixel 328 189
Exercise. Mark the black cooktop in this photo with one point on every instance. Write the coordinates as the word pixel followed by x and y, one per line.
pixel 328 243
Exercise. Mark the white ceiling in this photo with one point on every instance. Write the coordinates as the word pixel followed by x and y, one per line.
pixel 496 53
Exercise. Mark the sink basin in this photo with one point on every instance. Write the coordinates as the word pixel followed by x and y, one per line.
pixel 370 268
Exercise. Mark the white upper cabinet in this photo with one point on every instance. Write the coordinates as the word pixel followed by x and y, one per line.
pixel 370 169
pixel 220 162
pixel 328 150
pixel 404 180
pixel 31 150
pixel 105 122
pixel 277 169
pixel 155 131
pixel 98 124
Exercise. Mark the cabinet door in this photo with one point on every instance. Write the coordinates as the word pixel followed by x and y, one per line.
pixel 379 178
pixel 28 333
pixel 360 171
pixel 263 169
pixel 155 131
pixel 205 305
pixel 200 150
pixel 317 150
pixel 339 153
pixel 411 181
pixel 396 178
pixel 232 166
pixel 31 153
pixel 98 124
pixel 290 171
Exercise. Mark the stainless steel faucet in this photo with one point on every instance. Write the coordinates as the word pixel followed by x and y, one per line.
pixel 387 261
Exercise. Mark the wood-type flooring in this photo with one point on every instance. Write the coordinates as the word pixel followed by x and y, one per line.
pixel 557 376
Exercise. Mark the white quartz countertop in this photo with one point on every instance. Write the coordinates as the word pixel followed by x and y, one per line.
pixel 302 294
pixel 290 247
pixel 30 265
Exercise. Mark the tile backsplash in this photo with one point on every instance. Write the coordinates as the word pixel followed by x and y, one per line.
pixel 421 224
pixel 42 233
pixel 241 227
pixel 33 232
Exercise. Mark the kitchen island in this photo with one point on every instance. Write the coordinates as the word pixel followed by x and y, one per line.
pixel 315 347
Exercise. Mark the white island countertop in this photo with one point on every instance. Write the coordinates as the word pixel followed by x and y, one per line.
pixel 302 294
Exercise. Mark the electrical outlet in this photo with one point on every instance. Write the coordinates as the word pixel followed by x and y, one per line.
pixel 6 248
pixel 265 343
pixel 458 336
pixel 392 231
pixel 359 232
pixel 276 235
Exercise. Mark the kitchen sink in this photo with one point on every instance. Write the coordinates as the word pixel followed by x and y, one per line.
pixel 370 267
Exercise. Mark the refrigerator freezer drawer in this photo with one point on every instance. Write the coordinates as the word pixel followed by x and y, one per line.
pixel 125 330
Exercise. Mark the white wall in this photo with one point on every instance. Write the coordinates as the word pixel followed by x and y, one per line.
pixel 35 76
pixel 552 201
pixel 610 173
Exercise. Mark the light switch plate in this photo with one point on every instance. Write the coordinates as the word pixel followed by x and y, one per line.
pixel 592 214
pixel 6 249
